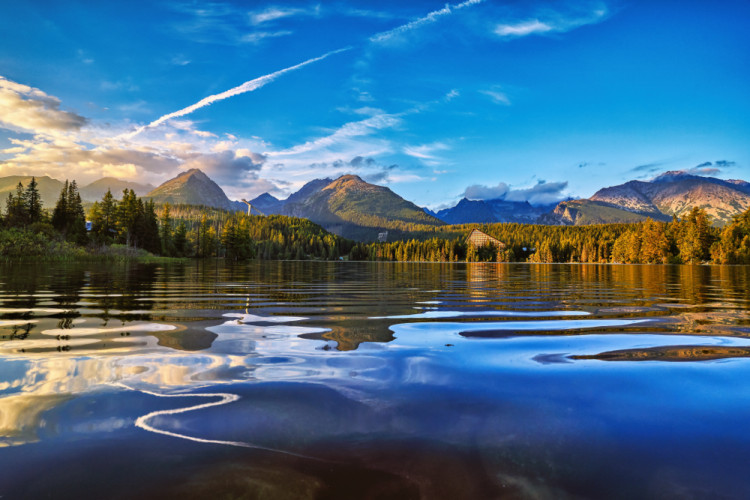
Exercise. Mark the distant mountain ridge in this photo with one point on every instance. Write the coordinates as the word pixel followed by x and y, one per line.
pixel 49 188
pixel 97 189
pixel 492 211
pixel 671 193
pixel 351 207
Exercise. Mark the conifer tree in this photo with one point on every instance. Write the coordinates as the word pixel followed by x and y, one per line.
pixel 33 201
pixel 165 231
pixel 60 213
pixel 181 240
pixel 104 219
pixel 75 217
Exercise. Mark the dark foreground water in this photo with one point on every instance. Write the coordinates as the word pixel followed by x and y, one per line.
pixel 354 380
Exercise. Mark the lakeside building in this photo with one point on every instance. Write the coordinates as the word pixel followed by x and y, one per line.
pixel 480 239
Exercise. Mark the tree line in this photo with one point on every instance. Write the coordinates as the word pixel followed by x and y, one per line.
pixel 689 240
pixel 179 231
pixel 195 231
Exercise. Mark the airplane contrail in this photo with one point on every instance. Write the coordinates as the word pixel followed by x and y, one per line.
pixel 431 17
pixel 259 82
pixel 248 86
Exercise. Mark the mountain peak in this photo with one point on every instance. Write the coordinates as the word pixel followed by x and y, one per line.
pixel 353 182
pixel 192 187
pixel 193 172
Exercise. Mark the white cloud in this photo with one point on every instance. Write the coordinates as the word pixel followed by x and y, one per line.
pixel 27 109
pixel 542 193
pixel 274 13
pixel 554 22
pixel 523 28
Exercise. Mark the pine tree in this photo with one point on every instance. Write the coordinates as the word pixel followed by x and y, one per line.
pixel 129 211
pixel 167 240
pixel 148 228
pixel 77 216
pixel 33 202
pixel 104 218
pixel 181 240
pixel 60 213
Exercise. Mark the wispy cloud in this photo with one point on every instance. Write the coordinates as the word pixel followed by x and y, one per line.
pixel 652 166
pixel 345 132
pixel 367 13
pixel 426 153
pixel 497 96
pixel 427 19
pixel 380 120
pixel 725 163
pixel 259 36
pixel 248 86
pixel 270 14
pixel 703 171
pixel 553 22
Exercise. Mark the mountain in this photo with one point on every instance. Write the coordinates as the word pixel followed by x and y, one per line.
pixel 96 190
pixel 351 207
pixel 491 211
pixel 309 189
pixel 268 204
pixel 676 193
pixel 49 188
pixel 194 188
pixel 587 211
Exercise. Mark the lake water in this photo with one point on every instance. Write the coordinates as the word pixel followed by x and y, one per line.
pixel 374 380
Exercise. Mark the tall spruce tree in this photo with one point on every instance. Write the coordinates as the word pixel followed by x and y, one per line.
pixel 33 201
pixel 76 216
pixel 60 213
pixel 167 240
pixel 148 228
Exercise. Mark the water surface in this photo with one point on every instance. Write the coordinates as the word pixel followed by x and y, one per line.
pixel 374 380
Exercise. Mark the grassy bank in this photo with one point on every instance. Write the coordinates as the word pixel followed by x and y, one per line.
pixel 24 244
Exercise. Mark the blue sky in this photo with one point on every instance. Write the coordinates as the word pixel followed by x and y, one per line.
pixel 523 100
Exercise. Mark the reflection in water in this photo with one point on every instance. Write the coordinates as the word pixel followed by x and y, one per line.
pixel 224 398
pixel 416 379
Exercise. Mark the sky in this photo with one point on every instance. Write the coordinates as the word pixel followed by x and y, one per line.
pixel 521 100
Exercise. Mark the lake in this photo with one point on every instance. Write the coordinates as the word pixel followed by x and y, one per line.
pixel 374 380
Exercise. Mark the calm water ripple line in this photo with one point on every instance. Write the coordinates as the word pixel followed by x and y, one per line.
pixel 501 314
pixel 226 398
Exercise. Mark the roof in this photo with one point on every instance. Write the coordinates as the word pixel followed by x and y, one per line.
pixel 479 238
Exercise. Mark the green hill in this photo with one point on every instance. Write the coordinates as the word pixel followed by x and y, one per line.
pixel 96 190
